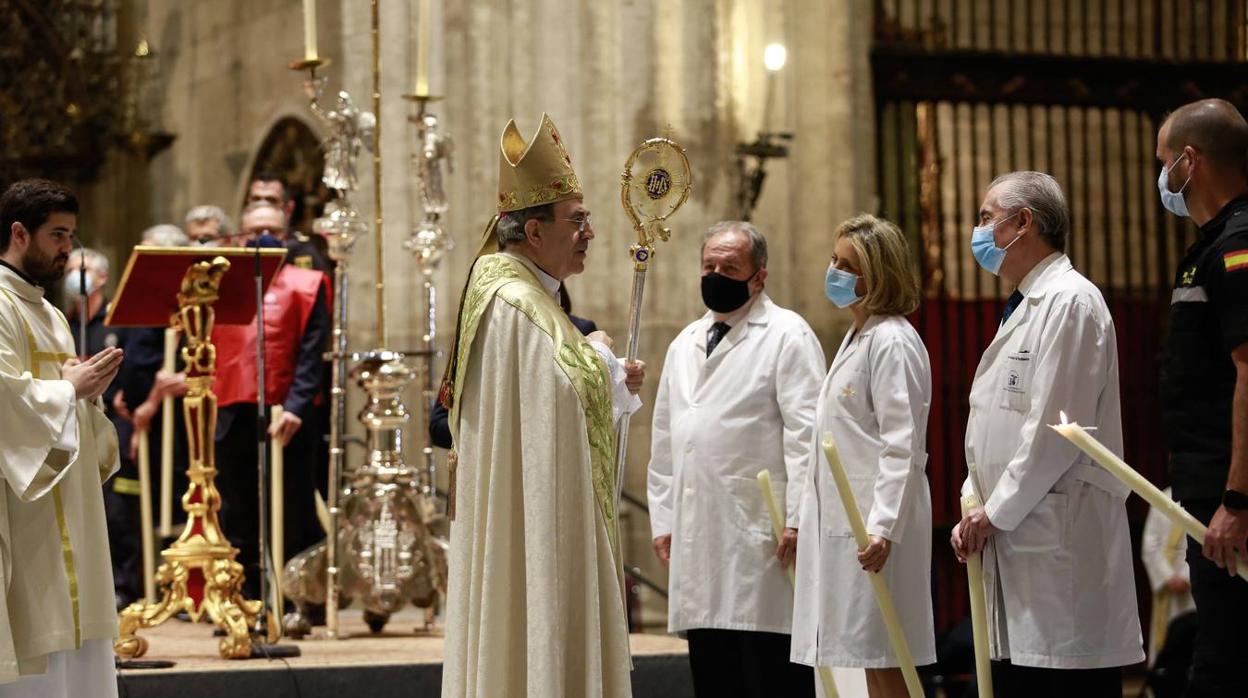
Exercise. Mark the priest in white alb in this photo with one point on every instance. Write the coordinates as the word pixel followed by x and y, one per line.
pixel 535 602
pixel 57 614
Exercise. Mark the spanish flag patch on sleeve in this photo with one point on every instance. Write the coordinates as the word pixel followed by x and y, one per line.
pixel 1235 261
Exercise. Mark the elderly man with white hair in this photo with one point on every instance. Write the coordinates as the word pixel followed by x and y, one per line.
pixel 165 235
pixel 206 225
pixel 1058 572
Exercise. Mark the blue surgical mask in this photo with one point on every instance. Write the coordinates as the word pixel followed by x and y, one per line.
pixel 72 284
pixel 1173 200
pixel 839 285
pixel 984 246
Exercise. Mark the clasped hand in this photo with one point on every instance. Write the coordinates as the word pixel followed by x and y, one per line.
pixel 972 533
pixel 91 377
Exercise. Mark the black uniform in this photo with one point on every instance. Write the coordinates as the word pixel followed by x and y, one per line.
pixel 310 252
pixel 238 460
pixel 1208 319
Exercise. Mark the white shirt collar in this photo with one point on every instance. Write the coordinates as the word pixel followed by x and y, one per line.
pixel 737 316
pixel 1025 286
pixel 550 283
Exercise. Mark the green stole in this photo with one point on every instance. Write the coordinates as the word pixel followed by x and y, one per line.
pixel 512 282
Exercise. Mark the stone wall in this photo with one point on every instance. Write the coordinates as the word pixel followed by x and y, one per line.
pixel 610 74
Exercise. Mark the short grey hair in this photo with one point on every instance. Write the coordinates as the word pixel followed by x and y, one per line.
pixel 96 261
pixel 165 235
pixel 758 243
pixel 255 206
pixel 511 224
pixel 1042 195
pixel 203 213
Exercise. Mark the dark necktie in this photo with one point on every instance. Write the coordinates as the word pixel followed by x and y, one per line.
pixel 1011 305
pixel 716 333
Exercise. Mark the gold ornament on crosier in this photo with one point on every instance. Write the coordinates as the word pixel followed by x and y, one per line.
pixel 199 574
pixel 656 181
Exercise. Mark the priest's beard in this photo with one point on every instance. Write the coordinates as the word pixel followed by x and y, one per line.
pixel 44 269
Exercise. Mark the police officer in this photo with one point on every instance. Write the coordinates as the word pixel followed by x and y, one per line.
pixel 1203 148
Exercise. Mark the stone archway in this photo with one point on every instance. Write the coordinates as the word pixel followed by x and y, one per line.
pixel 293 150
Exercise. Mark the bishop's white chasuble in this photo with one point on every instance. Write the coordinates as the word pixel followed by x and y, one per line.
pixel 534 602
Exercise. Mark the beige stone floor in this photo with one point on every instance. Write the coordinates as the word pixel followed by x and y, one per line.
pixel 194 648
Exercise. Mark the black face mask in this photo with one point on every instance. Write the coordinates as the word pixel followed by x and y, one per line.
pixel 724 295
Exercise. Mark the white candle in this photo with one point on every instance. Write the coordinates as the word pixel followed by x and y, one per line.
pixel 424 18
pixel 166 439
pixel 777 527
pixel 309 31
pixel 882 598
pixel 979 610
pixel 145 518
pixel 1131 478
pixel 277 511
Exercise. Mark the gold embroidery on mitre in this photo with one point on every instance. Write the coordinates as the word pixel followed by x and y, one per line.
pixel 535 172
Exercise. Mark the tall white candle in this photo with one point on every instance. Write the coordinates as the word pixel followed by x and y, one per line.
pixel 1141 486
pixel 882 598
pixel 145 518
pixel 979 610
pixel 309 31
pixel 424 18
pixel 777 527
pixel 277 510
pixel 166 439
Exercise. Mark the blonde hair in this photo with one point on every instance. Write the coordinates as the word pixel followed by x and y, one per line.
pixel 886 262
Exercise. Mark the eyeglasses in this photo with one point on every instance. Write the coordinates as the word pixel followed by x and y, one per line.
pixel 582 224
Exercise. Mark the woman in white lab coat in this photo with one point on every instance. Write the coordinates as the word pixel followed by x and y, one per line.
pixel 874 403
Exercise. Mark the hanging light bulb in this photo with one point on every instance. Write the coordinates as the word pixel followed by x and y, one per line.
pixel 774 57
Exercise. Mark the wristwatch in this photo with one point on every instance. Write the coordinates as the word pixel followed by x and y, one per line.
pixel 1233 499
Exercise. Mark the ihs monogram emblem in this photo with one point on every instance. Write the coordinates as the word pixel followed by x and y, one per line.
pixel 848 391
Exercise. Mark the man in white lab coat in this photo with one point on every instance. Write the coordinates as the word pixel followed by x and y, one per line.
pixel 737 396
pixel 1053 527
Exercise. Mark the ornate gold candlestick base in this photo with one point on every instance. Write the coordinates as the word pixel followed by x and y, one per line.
pixel 199 574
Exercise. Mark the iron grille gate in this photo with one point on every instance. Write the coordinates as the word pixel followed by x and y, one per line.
pixel 968 89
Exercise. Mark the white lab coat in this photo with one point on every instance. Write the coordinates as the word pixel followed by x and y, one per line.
pixel 874 403
pixel 1059 577
pixel 718 421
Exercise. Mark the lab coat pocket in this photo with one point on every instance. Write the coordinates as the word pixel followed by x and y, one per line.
pixel 1016 381
pixel 753 518
pixel 1044 529
pixel 832 512
pixel 851 391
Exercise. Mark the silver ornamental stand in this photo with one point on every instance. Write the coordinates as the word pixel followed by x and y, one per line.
pixel 379 551
pixel 428 244
pixel 350 130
